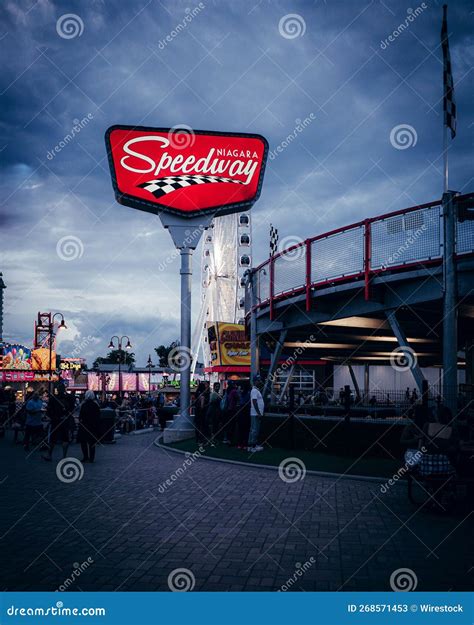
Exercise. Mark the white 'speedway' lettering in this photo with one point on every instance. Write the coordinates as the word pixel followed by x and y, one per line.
pixel 209 164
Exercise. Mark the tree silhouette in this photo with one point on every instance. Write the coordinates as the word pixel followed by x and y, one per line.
pixel 114 357
pixel 163 352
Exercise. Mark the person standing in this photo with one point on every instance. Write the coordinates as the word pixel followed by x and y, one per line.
pixel 89 426
pixel 34 416
pixel 213 411
pixel 243 416
pixel 201 401
pixel 257 407
pixel 233 400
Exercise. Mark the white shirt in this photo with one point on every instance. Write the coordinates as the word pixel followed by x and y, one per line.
pixel 256 394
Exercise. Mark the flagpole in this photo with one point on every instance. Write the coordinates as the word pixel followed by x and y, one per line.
pixel 445 126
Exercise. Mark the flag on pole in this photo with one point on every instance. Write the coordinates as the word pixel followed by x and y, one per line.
pixel 449 104
pixel 273 240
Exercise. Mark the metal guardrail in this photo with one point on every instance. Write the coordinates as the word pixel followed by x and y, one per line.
pixel 405 238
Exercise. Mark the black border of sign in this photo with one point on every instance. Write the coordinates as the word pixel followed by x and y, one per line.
pixel 156 208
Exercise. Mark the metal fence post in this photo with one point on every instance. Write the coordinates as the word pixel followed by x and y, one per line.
pixel 308 274
pixel 367 258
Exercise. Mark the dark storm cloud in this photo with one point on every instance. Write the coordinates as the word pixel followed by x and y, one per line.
pixel 228 68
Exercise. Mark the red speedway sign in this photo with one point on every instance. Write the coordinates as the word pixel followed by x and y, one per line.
pixel 185 172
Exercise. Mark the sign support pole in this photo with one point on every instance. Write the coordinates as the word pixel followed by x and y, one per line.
pixel 185 381
pixel 186 234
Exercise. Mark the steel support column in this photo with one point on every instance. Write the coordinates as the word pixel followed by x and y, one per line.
pixel 410 354
pixel 274 362
pixel 287 382
pixel 366 381
pixel 354 382
pixel 450 327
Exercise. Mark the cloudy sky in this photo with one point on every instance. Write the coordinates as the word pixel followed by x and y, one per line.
pixel 256 66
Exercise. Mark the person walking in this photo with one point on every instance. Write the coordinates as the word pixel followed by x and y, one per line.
pixel 257 407
pixel 34 416
pixel 61 422
pixel 89 426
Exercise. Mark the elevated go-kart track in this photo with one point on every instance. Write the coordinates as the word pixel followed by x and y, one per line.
pixel 353 293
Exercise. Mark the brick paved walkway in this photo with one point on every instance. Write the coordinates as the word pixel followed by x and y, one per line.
pixel 234 528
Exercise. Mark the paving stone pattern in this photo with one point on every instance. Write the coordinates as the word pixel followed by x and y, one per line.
pixel 231 527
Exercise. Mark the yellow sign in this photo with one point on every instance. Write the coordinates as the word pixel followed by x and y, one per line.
pixel 228 344
pixel 40 358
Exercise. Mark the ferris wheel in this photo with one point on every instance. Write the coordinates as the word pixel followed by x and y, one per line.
pixel 226 256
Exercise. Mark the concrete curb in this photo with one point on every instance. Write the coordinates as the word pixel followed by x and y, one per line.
pixel 360 478
pixel 142 431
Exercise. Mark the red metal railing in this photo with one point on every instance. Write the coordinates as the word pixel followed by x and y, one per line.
pixel 391 242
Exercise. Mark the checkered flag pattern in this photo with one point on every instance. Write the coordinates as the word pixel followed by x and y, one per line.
pixel 449 104
pixel 163 186
pixel 273 240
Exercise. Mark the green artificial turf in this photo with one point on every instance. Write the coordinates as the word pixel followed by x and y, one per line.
pixel 314 461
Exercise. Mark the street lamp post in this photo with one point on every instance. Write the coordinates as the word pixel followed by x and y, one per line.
pixel 119 346
pixel 150 366
pixel 51 338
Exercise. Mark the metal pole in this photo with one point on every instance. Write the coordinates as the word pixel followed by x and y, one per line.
pixel 366 382
pixel 253 327
pixel 450 332
pixel 2 287
pixel 51 329
pixel 445 158
pixel 120 368
pixel 185 369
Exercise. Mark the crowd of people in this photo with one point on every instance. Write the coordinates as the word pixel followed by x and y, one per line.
pixel 232 417
pixel 47 420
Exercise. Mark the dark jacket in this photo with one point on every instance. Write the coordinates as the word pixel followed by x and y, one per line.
pixel 89 421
